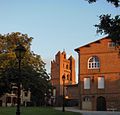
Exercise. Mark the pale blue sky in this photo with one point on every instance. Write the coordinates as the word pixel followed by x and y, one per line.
pixel 54 24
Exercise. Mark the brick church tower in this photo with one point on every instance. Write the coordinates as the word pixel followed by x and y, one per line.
pixel 59 67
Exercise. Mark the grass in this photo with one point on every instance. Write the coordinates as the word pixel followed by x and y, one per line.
pixel 34 111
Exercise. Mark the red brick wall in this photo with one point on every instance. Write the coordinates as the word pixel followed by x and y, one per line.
pixel 109 69
pixel 62 66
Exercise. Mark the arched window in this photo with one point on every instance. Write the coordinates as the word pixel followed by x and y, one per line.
pixel 67 66
pixel 64 56
pixel 93 63
pixel 67 77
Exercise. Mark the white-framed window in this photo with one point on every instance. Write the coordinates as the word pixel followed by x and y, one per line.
pixel 87 83
pixel 86 98
pixel 93 62
pixel 101 82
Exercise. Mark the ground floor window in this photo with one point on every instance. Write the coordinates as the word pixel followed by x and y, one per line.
pixel 8 99
pixel 86 98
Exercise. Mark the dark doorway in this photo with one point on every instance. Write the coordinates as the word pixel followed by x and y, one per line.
pixel 101 104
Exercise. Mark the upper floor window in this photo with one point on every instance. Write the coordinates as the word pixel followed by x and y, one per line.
pixel 67 66
pixel 64 56
pixel 87 83
pixel 93 63
pixel 111 44
pixel 101 82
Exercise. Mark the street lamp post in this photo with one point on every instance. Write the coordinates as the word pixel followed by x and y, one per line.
pixel 63 78
pixel 20 52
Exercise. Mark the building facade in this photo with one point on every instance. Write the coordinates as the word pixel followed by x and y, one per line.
pixel 59 67
pixel 99 75
pixel 10 99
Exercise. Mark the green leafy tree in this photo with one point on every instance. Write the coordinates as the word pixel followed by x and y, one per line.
pixel 116 3
pixel 108 25
pixel 33 72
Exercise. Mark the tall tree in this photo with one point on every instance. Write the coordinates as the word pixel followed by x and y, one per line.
pixel 108 25
pixel 33 76
pixel 116 3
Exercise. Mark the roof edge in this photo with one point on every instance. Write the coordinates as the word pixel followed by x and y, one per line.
pixel 88 45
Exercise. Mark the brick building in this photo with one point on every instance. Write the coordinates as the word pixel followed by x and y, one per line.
pixel 99 75
pixel 59 67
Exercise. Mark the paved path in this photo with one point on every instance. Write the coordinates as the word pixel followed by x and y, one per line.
pixel 89 112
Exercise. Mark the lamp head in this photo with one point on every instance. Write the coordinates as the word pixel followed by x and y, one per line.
pixel 20 52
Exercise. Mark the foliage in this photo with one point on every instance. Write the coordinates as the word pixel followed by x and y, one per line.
pixel 116 3
pixel 33 72
pixel 110 26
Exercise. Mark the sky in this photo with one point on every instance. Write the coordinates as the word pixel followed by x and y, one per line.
pixel 55 25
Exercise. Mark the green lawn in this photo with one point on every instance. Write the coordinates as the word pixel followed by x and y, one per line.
pixel 34 111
